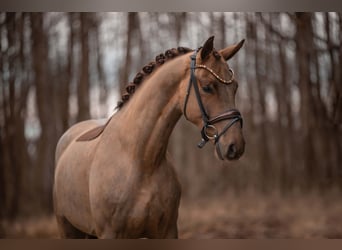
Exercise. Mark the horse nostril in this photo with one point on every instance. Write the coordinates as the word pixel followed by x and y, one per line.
pixel 231 153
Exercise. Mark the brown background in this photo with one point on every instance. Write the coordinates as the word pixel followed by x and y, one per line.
pixel 288 183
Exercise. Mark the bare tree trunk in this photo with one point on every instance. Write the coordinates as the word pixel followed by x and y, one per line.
pixel 64 90
pixel 179 23
pixel 83 93
pixel 333 78
pixel 249 64
pixel 131 28
pixel 100 70
pixel 21 110
pixel 10 121
pixel 284 113
pixel 222 30
pixel 263 141
pixel 14 90
pixel 338 110
pixel 337 117
pixel 304 38
pixel 3 116
pixel 285 122
pixel 13 122
pixel 3 190
pixel 46 111
pixel 325 168
pixel 331 129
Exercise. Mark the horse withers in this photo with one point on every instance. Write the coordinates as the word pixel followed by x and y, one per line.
pixel 115 179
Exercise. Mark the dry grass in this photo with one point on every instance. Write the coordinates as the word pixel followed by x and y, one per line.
pixel 34 227
pixel 230 216
pixel 255 216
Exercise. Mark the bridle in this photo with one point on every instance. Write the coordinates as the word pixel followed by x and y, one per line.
pixel 208 123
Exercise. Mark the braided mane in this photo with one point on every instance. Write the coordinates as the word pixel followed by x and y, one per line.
pixel 147 70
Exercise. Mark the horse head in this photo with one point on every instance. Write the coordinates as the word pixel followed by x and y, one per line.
pixel 208 99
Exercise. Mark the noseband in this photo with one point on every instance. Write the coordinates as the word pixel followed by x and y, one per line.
pixel 233 115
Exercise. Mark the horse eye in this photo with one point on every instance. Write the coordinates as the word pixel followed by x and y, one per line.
pixel 207 89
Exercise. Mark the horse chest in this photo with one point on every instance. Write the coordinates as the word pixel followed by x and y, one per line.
pixel 137 206
pixel 155 207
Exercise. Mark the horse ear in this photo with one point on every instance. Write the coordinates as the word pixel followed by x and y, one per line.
pixel 230 51
pixel 207 47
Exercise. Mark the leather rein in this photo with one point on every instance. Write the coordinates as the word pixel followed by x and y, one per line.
pixel 233 115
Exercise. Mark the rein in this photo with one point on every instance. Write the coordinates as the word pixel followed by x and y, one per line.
pixel 209 131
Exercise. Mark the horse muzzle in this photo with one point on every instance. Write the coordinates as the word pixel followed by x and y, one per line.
pixel 209 132
pixel 232 152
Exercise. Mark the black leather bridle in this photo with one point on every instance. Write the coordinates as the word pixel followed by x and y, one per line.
pixel 208 123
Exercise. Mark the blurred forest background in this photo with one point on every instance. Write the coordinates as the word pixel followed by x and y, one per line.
pixel 60 68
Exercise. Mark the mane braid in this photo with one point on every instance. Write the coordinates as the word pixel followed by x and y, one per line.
pixel 147 70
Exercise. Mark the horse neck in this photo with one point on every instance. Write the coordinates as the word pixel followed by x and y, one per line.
pixel 148 119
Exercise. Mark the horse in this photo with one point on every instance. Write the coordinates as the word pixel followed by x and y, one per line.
pixel 115 179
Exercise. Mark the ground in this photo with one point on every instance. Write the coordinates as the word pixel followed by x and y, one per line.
pixel 230 216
